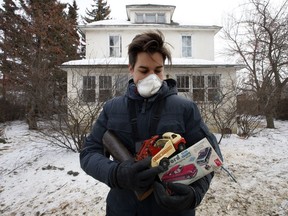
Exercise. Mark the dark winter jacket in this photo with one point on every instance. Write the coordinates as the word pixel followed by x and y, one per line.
pixel 178 115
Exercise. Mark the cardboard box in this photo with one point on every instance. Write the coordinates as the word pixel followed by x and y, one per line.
pixel 192 164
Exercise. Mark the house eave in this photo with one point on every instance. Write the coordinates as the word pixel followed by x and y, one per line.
pixel 120 25
pixel 123 63
pixel 207 66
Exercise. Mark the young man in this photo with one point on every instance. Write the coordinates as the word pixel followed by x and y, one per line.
pixel 150 106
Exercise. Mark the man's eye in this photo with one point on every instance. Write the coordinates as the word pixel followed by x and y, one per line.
pixel 158 71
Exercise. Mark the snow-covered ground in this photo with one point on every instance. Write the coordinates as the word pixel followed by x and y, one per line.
pixel 39 179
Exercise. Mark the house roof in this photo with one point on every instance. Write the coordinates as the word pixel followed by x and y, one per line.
pixel 118 23
pixel 176 62
pixel 142 8
pixel 150 6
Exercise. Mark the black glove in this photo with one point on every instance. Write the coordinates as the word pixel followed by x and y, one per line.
pixel 137 176
pixel 178 198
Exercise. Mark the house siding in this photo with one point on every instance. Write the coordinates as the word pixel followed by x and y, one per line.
pixel 97 44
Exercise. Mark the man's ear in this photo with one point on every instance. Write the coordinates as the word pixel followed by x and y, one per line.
pixel 131 69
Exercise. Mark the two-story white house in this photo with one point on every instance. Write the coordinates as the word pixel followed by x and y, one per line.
pixel 104 72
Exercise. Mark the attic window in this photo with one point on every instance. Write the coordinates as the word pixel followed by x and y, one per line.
pixel 161 18
pixel 150 18
pixel 139 18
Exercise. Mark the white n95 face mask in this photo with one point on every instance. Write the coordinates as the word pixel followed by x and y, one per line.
pixel 149 86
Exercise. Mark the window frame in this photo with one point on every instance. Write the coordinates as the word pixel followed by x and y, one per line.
pixel 186 49
pixel 200 88
pixel 115 50
pixel 121 83
pixel 215 89
pixel 88 89
pixel 183 83
pixel 150 18
pixel 105 88
pixel 204 86
pixel 160 15
pixel 139 18
pixel 143 17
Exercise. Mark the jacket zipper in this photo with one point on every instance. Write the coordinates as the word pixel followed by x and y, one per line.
pixel 143 109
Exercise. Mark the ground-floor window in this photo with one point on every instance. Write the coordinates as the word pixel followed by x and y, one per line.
pixel 101 88
pixel 202 88
pixel 89 87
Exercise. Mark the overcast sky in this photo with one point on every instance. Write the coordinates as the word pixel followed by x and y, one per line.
pixel 202 12
pixel 206 12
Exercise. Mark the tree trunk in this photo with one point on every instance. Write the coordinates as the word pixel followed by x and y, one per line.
pixel 31 118
pixel 4 87
pixel 270 121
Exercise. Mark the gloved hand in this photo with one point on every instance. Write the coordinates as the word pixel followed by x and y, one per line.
pixel 137 176
pixel 179 198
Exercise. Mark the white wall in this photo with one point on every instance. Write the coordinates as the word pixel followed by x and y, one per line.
pixel 97 43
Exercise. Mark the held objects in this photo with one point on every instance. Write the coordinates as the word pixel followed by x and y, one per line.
pixel 118 151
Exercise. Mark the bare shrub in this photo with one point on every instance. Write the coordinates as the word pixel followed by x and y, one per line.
pixel 73 118
pixel 69 129
pixel 10 111
pixel 247 125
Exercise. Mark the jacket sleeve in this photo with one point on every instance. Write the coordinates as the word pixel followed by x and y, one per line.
pixel 201 187
pixel 196 130
pixel 92 158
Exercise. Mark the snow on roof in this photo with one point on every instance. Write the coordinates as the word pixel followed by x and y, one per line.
pixel 97 61
pixel 109 22
pixel 121 22
pixel 199 62
pixel 124 61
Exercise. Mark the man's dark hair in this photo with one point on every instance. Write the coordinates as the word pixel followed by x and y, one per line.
pixel 149 42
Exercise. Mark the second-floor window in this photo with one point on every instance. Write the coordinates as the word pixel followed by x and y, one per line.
pixel 186 46
pixel 89 87
pixel 105 88
pixel 115 46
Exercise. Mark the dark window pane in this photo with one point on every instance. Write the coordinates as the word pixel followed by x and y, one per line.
pixel 198 81
pixel 213 95
pixel 89 95
pixel 104 95
pixel 198 94
pixel 183 83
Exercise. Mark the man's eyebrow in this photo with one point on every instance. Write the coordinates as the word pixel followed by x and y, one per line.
pixel 160 66
pixel 157 67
